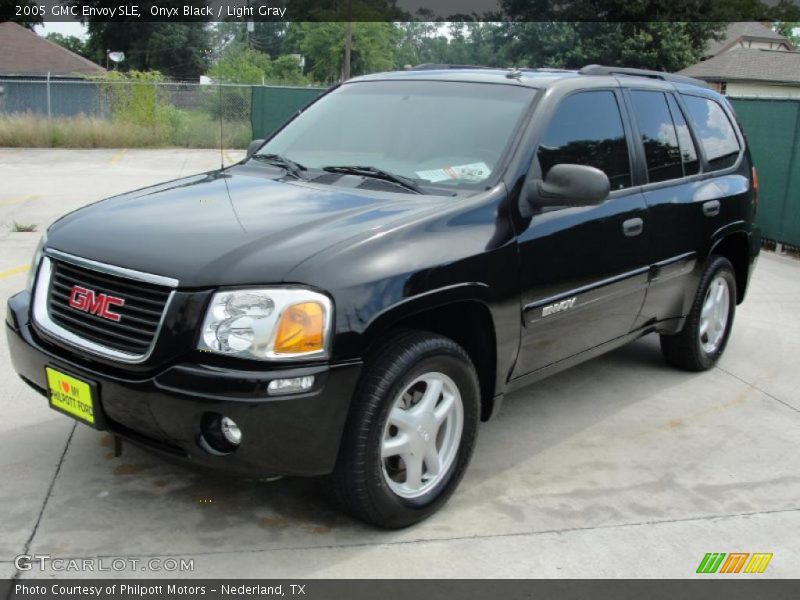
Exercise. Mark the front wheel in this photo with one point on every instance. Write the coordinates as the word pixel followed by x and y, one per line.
pixel 410 433
pixel 708 326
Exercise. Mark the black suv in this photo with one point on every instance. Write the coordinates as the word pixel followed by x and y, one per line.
pixel 353 298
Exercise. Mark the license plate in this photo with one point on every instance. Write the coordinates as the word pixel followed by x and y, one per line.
pixel 71 396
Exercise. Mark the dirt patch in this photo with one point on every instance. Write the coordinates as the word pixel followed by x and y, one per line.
pixel 276 522
pixel 319 530
pixel 128 469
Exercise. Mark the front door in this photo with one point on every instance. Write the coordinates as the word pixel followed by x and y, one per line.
pixel 584 271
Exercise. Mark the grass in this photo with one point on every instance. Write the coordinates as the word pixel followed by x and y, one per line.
pixel 191 129
pixel 23 227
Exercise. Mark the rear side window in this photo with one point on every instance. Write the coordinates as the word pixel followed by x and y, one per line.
pixel 659 137
pixel 691 164
pixel 714 130
pixel 587 130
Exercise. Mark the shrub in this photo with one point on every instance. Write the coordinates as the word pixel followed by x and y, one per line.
pixel 189 129
pixel 133 97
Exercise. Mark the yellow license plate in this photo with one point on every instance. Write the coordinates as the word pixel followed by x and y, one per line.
pixel 71 396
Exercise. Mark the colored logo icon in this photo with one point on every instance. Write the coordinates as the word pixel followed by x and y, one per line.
pixel 734 562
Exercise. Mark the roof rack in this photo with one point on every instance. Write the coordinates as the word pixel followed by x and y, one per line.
pixel 544 70
pixel 440 67
pixel 602 70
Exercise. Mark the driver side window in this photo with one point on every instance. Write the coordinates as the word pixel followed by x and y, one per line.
pixel 587 130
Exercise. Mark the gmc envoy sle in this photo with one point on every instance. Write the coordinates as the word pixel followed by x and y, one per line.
pixel 354 297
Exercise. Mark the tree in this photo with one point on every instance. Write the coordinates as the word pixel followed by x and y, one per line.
pixel 8 12
pixel 664 46
pixel 268 36
pixel 790 30
pixel 71 42
pixel 322 44
pixel 180 50
pixel 240 64
pixel 645 33
pixel 286 70
pixel 618 11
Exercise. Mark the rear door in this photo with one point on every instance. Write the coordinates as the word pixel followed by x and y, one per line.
pixel 583 270
pixel 687 205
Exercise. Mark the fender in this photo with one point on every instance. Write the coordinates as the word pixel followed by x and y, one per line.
pixel 408 307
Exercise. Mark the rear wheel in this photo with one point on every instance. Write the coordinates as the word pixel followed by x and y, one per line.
pixel 410 433
pixel 707 329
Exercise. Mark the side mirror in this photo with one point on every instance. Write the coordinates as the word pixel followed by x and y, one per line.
pixel 568 185
pixel 254 145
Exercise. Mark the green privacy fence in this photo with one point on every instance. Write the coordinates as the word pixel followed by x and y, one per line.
pixel 772 127
pixel 273 106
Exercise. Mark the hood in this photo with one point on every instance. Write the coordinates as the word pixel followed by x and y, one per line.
pixel 233 227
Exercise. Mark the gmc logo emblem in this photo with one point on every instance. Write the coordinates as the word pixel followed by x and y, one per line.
pixel 93 303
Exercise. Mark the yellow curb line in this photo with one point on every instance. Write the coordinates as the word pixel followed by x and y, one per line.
pixel 18 200
pixel 118 156
pixel 228 157
pixel 14 271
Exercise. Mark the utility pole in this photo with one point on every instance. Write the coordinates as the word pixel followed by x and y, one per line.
pixel 348 41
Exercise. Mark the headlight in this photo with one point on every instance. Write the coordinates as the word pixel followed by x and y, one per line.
pixel 268 324
pixel 37 258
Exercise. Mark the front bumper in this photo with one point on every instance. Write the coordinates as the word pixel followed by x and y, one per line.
pixel 296 434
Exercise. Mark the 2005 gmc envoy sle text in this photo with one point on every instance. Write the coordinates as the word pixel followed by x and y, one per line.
pixel 354 297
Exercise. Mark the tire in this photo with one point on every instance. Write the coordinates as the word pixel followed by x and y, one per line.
pixel 691 349
pixel 384 490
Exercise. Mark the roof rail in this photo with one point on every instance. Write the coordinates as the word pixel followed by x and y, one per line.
pixel 544 70
pixel 440 67
pixel 602 70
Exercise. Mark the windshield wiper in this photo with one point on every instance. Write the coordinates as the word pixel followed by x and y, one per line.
pixel 375 173
pixel 291 167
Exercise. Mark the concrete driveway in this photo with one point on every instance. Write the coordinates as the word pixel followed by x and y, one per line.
pixel 621 467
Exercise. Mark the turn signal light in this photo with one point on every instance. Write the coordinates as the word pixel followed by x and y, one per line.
pixel 300 329
pixel 755 188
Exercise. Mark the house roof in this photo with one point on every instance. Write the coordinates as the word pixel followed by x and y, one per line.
pixel 744 30
pixel 22 52
pixel 746 64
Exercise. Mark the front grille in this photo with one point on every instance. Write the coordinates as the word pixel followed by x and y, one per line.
pixel 140 315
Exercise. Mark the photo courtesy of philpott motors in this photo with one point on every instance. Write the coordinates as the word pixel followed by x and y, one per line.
pixel 364 291
pixel 56 589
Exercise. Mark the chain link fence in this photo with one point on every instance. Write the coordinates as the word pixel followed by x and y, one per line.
pixel 130 114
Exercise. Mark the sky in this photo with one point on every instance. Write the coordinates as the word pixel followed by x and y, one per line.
pixel 64 28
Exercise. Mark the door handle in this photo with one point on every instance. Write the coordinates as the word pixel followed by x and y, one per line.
pixel 633 227
pixel 711 208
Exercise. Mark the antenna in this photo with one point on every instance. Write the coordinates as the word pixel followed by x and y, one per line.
pixel 221 148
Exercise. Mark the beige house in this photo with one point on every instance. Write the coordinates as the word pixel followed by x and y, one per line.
pixel 751 60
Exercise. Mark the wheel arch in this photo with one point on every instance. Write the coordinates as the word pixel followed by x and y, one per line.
pixel 735 246
pixel 460 313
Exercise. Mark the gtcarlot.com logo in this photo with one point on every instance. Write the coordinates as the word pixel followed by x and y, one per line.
pixel 44 562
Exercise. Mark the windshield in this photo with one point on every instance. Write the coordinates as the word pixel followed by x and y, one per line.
pixel 433 132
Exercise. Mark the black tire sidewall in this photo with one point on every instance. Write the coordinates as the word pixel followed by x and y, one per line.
pixel 442 360
pixel 720 267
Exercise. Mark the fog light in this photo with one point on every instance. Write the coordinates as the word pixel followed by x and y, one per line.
pixel 292 385
pixel 219 434
pixel 231 431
